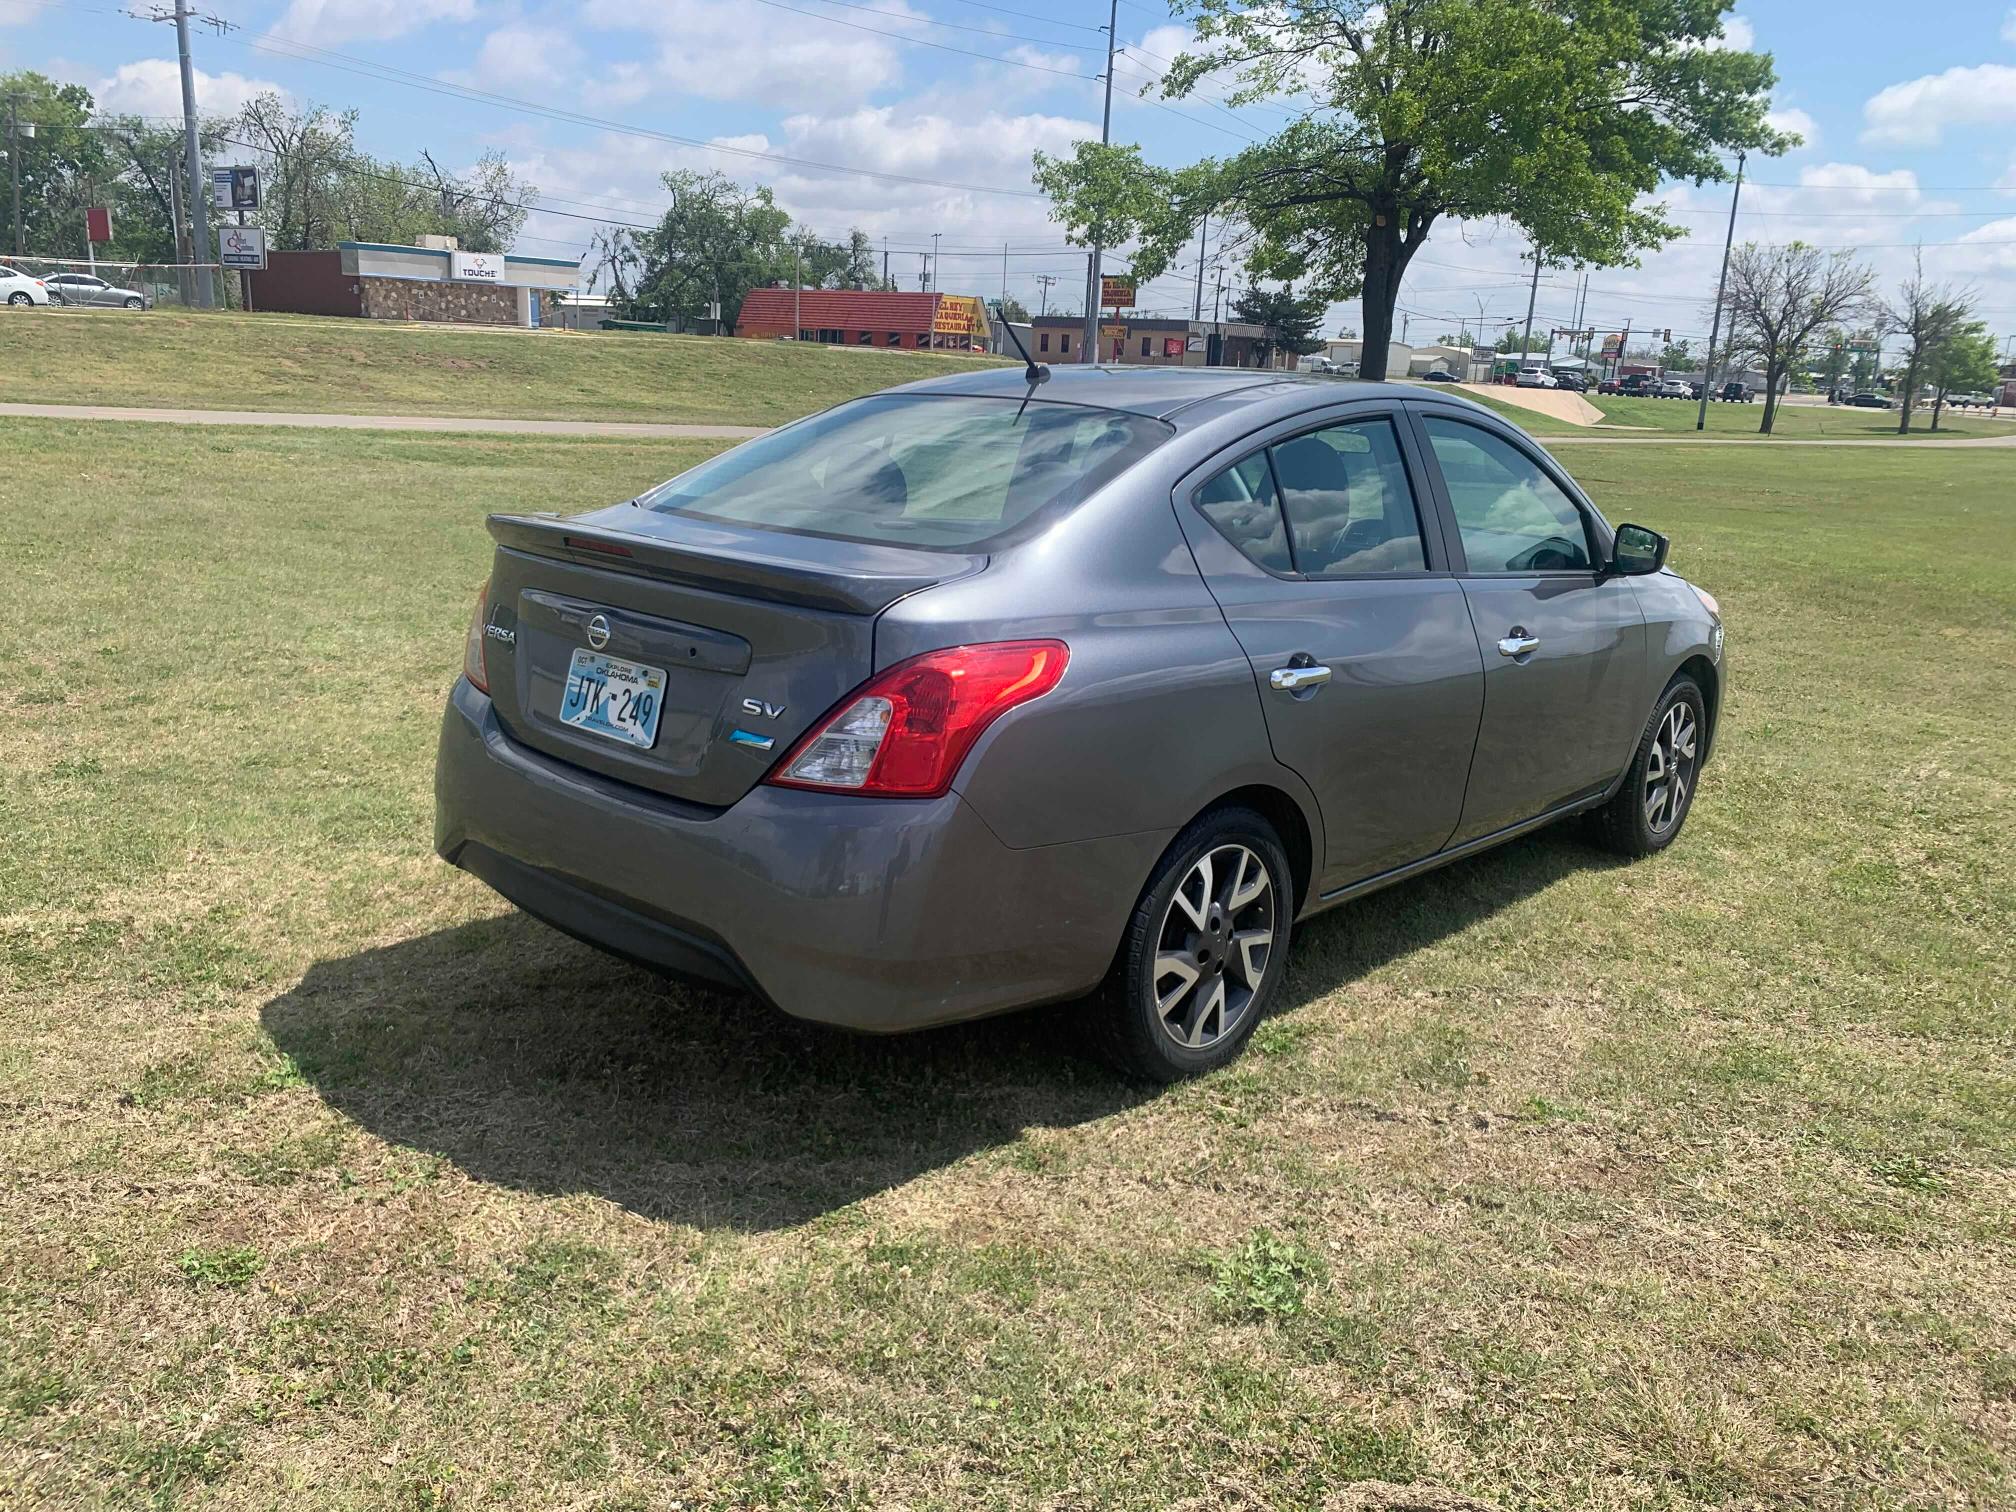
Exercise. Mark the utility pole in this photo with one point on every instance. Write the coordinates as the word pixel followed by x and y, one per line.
pixel 934 260
pixel 1197 306
pixel 1722 283
pixel 1044 280
pixel 885 262
pixel 1004 275
pixel 797 284
pixel 14 166
pixel 1532 297
pixel 1092 285
pixel 199 220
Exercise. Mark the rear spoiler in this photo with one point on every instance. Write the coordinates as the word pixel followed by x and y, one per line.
pixel 857 578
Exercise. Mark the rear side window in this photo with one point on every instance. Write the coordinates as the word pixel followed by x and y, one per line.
pixel 1350 507
pixel 948 472
pixel 1512 516
pixel 1240 501
pixel 1335 502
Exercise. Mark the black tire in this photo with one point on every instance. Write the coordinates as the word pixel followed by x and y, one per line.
pixel 1631 823
pixel 1131 1030
pixel 136 304
pixel 20 298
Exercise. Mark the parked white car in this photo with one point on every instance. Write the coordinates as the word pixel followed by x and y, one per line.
pixel 1534 377
pixel 17 288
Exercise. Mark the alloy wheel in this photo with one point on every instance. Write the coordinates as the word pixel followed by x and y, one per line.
pixel 1216 940
pixel 1669 768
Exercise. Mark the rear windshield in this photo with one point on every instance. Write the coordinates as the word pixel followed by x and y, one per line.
pixel 943 471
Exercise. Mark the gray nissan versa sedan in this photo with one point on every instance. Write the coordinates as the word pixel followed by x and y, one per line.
pixel 985 692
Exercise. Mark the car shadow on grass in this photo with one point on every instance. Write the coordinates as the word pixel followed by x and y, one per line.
pixel 534 1061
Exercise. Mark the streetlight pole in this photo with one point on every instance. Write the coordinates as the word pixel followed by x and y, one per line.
pixel 1197 305
pixel 1715 326
pixel 14 167
pixel 1532 298
pixel 1092 285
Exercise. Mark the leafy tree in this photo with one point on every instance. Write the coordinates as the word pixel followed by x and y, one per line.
pixel 1834 358
pixel 1964 364
pixel 1291 323
pixel 852 264
pixel 1927 316
pixel 1778 298
pixel 1013 310
pixel 1557 115
pixel 62 166
pixel 1676 355
pixel 716 243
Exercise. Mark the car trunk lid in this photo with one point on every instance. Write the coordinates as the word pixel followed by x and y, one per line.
pixel 756 633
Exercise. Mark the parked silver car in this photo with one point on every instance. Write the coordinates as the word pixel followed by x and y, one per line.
pixel 981 693
pixel 87 289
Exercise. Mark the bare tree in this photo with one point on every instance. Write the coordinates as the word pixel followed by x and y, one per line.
pixel 1779 298
pixel 1928 316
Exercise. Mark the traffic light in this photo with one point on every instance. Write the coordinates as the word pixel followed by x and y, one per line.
pixel 1666 335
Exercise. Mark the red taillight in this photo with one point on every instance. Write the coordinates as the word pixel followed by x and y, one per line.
pixel 472 647
pixel 904 732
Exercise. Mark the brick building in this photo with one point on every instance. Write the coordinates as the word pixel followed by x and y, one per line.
pixel 377 281
pixel 865 317
pixel 1145 341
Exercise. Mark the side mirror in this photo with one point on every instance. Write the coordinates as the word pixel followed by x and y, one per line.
pixel 1637 551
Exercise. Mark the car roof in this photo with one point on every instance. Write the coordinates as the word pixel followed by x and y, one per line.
pixel 1156 392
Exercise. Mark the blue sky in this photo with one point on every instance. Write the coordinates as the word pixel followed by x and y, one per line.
pixel 1909 114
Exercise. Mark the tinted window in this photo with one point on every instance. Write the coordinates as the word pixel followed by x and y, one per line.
pixel 1240 502
pixel 1512 516
pixel 1350 508
pixel 914 469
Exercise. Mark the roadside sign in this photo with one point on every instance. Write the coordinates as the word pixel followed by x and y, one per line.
pixel 98 224
pixel 235 188
pixel 1116 293
pixel 1613 343
pixel 242 247
pixel 476 267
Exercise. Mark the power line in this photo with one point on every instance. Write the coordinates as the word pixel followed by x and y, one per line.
pixel 955 26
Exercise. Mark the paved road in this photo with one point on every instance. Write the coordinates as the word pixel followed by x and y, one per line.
pixel 637 430
pixel 633 430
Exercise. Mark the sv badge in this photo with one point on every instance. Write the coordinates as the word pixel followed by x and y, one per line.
pixel 760 709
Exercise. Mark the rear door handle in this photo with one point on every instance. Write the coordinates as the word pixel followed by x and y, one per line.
pixel 1518 643
pixel 1294 679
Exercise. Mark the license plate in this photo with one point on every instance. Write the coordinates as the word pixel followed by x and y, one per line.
pixel 618 699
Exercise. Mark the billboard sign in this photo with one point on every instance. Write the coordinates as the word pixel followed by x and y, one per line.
pixel 476 267
pixel 242 247
pixel 98 224
pixel 958 315
pixel 1613 343
pixel 1116 293
pixel 235 188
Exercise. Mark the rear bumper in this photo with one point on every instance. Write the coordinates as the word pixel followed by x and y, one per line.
pixel 867 913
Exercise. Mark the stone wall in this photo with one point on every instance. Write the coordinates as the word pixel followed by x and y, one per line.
pixel 419 299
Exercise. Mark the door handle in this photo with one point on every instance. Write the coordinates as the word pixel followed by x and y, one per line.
pixel 1295 679
pixel 1518 643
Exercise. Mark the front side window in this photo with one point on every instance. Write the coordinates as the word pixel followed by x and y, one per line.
pixel 1512 516
pixel 1240 501
pixel 935 471
pixel 1349 505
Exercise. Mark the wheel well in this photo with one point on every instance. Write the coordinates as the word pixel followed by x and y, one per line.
pixel 1704 673
pixel 1281 811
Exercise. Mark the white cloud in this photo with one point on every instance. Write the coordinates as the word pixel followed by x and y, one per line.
pixel 521 55
pixel 328 21
pixel 1794 119
pixel 718 50
pixel 1738 35
pixel 2009 26
pixel 153 87
pixel 1917 112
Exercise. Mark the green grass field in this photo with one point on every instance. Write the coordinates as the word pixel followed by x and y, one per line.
pixel 369 367
pixel 329 1181
pixel 1809 422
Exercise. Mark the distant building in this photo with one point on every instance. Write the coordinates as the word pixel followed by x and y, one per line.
pixel 1156 341
pixel 380 281
pixel 1446 358
pixel 865 318
pixel 1349 352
